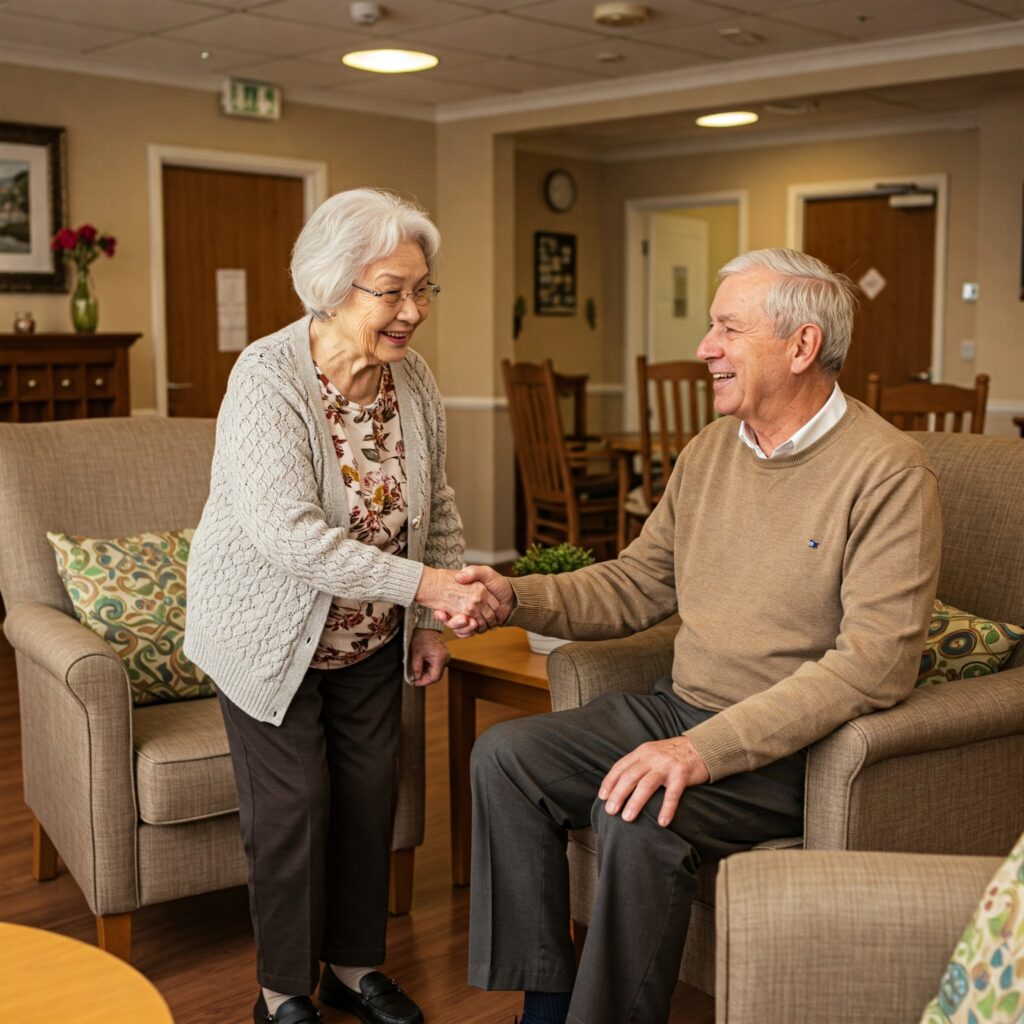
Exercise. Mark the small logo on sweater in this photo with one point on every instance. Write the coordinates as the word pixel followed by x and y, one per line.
pixel 812 543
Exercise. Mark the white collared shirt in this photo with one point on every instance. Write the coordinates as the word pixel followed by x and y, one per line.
pixel 816 427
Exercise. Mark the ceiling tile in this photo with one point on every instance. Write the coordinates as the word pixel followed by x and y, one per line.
pixel 637 58
pixel 126 15
pixel 53 35
pixel 399 16
pixel 267 35
pixel 1012 8
pixel 502 35
pixel 517 75
pixel 418 88
pixel 870 19
pixel 776 37
pixel 158 53
pixel 580 14
pixel 293 74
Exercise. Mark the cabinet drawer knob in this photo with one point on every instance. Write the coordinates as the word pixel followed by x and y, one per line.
pixel 32 382
pixel 65 382
pixel 99 382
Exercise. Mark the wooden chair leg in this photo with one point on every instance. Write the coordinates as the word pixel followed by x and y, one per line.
pixel 579 937
pixel 114 933
pixel 400 887
pixel 44 853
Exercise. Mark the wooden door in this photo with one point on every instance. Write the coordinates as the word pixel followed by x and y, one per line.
pixel 223 220
pixel 858 235
pixel 677 284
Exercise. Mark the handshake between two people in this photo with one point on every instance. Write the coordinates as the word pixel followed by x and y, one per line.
pixel 469 600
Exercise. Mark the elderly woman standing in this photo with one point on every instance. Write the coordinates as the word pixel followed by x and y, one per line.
pixel 329 536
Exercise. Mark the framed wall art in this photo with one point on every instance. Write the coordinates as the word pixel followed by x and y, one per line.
pixel 554 274
pixel 33 207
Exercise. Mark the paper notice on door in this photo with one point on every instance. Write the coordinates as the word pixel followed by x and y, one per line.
pixel 232 322
pixel 872 283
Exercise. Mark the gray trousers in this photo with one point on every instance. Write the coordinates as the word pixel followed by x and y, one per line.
pixel 316 799
pixel 534 779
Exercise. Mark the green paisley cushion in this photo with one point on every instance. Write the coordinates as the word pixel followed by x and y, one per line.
pixel 962 646
pixel 984 980
pixel 131 591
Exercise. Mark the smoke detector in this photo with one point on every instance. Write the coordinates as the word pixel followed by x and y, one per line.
pixel 365 12
pixel 620 15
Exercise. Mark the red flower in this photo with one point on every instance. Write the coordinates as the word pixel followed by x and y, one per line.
pixel 87 233
pixel 64 239
pixel 108 243
pixel 83 246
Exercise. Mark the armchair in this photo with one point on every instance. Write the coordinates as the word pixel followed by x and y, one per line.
pixel 819 936
pixel 139 803
pixel 940 773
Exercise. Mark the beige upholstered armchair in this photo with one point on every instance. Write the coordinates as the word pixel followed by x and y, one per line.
pixel 940 773
pixel 139 803
pixel 811 936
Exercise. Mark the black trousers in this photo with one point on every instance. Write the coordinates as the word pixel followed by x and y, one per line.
pixel 317 798
pixel 535 778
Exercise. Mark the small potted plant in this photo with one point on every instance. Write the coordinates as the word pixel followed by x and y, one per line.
pixel 547 561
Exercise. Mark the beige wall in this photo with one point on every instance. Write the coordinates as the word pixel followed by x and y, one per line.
pixel 110 124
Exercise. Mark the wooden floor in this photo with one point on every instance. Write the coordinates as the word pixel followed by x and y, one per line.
pixel 199 951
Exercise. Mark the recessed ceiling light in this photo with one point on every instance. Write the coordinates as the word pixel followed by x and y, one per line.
pixel 741 36
pixel 205 55
pixel 620 15
pixel 609 57
pixel 390 62
pixel 727 119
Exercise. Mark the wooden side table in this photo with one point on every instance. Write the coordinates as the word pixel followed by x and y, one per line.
pixel 497 666
pixel 51 979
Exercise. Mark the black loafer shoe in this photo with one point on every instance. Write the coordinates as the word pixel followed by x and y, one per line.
pixel 378 1001
pixel 297 1010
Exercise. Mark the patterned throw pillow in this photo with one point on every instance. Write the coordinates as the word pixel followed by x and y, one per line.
pixel 962 646
pixel 131 591
pixel 984 981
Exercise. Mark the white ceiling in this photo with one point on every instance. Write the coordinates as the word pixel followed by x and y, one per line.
pixel 489 49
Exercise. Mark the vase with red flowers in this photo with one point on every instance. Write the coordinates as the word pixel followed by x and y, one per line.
pixel 80 248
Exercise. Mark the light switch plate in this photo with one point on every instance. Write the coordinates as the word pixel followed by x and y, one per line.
pixel 968 350
pixel 969 292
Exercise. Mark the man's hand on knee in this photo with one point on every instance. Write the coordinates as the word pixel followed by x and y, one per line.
pixel 635 778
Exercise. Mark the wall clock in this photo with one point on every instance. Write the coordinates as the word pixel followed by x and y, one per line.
pixel 560 190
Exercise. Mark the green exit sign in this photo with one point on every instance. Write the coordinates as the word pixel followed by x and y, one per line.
pixel 240 97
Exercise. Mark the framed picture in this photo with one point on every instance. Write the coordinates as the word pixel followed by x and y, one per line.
pixel 554 274
pixel 33 207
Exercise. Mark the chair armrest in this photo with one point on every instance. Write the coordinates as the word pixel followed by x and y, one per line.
pixel 579 672
pixel 65 648
pixel 806 937
pixel 76 745
pixel 942 772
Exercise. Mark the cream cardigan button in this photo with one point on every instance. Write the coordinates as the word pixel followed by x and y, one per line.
pixel 416 522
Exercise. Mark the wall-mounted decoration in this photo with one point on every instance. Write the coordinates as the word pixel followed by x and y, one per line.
pixel 680 292
pixel 590 313
pixel 560 190
pixel 33 205
pixel 518 312
pixel 554 274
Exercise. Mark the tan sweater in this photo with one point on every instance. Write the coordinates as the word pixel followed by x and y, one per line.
pixel 804 585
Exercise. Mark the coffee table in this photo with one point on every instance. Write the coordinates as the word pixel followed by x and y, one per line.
pixel 497 666
pixel 52 979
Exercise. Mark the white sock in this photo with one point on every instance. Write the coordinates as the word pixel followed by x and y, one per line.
pixel 351 976
pixel 275 999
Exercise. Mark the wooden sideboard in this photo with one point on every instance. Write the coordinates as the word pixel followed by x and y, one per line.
pixel 63 376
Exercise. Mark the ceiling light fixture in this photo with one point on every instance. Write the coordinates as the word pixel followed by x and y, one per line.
pixel 608 57
pixel 205 55
pixel 390 62
pixel 620 15
pixel 741 36
pixel 727 119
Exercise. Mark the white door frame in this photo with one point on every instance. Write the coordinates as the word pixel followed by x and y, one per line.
pixel 314 190
pixel 635 290
pixel 797 196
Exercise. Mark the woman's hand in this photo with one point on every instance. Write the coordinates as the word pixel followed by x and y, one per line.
pixel 428 656
pixel 441 591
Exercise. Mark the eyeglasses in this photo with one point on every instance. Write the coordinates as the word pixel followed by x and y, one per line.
pixel 422 296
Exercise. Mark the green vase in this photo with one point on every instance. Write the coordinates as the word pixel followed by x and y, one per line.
pixel 85 308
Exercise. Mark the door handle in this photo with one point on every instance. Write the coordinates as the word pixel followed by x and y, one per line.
pixel 924 376
pixel 174 385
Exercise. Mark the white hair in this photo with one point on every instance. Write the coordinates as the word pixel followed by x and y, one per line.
pixel 346 234
pixel 809 292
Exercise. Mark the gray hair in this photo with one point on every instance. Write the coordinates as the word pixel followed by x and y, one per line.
pixel 810 292
pixel 346 234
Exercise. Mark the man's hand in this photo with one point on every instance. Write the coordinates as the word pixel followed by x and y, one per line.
pixel 428 656
pixel 635 778
pixel 499 588
pixel 468 602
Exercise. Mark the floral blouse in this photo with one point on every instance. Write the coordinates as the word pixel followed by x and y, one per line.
pixel 371 460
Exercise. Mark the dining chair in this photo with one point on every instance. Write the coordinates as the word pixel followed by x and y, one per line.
pixel 571 489
pixel 681 405
pixel 573 386
pixel 919 405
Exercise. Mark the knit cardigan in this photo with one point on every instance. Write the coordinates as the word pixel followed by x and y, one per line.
pixel 272 546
